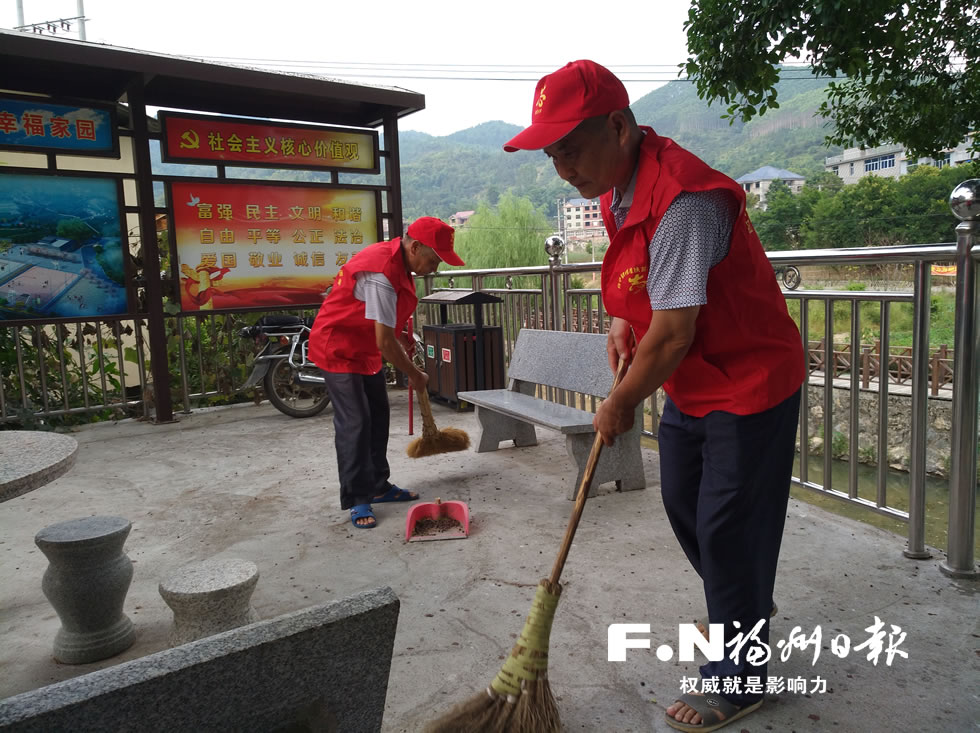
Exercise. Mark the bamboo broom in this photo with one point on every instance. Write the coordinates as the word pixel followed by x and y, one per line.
pixel 434 440
pixel 519 700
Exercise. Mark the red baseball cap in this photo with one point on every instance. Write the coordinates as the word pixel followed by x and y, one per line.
pixel 438 235
pixel 577 91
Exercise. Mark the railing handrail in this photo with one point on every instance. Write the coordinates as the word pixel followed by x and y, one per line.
pixel 905 253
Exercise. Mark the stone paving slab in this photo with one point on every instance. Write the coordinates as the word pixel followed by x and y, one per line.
pixel 248 482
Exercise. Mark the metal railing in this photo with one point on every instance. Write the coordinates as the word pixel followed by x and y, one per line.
pixel 68 369
pixel 556 304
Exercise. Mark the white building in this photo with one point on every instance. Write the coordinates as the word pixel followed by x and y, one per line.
pixel 890 161
pixel 582 219
pixel 759 181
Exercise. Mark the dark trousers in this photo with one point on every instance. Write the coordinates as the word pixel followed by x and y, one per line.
pixel 725 484
pixel 360 419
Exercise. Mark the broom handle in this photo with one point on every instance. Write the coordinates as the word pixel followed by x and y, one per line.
pixel 583 492
pixel 428 422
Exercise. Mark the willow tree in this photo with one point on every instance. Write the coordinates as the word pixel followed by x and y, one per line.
pixel 511 234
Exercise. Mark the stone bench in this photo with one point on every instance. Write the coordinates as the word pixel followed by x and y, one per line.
pixel 565 360
pixel 324 668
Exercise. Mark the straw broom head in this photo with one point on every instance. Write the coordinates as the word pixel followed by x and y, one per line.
pixel 446 440
pixel 519 700
pixel 433 440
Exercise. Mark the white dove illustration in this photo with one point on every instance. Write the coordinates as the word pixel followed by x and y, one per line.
pixel 195 200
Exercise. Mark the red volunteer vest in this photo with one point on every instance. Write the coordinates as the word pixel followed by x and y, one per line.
pixel 747 355
pixel 342 339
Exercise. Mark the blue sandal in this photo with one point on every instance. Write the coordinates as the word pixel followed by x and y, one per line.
pixel 394 494
pixel 363 511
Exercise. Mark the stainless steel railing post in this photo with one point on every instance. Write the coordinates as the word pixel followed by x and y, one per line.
pixel 959 563
pixel 916 548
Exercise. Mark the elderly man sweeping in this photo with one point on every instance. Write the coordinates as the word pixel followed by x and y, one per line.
pixel 372 298
pixel 696 310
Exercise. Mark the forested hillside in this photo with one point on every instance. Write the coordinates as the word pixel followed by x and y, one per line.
pixel 442 175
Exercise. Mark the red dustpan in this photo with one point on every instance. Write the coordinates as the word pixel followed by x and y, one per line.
pixel 437 520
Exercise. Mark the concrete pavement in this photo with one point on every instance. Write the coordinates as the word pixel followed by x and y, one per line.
pixel 248 482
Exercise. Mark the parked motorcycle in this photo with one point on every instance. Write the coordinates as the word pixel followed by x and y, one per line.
pixel 293 383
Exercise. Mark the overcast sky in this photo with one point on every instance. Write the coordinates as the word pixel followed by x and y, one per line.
pixel 381 39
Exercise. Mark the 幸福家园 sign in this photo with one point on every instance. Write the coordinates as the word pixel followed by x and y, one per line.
pixel 33 125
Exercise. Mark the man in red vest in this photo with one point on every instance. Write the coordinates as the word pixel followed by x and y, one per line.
pixel 696 309
pixel 371 299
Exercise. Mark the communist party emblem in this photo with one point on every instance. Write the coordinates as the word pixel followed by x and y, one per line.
pixel 539 105
pixel 189 140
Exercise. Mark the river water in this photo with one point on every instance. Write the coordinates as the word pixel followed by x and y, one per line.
pixel 897 482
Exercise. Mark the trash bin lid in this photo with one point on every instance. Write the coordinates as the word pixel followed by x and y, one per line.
pixel 461 297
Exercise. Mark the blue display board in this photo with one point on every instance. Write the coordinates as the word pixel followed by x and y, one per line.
pixel 61 247
pixel 34 125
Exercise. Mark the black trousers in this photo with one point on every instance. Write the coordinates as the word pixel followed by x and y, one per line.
pixel 360 419
pixel 725 484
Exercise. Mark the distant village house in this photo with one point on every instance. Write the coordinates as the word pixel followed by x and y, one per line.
pixel 459 219
pixel 759 181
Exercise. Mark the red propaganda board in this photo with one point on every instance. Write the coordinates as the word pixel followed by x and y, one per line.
pixel 242 245
pixel 210 140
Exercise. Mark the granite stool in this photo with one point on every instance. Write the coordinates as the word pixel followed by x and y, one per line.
pixel 210 597
pixel 86 582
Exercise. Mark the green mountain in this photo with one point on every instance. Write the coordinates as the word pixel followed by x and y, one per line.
pixel 442 175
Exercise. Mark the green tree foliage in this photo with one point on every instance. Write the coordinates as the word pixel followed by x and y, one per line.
pixel 75 229
pixel 778 226
pixel 882 211
pixel 913 209
pixel 511 235
pixel 111 261
pixel 911 70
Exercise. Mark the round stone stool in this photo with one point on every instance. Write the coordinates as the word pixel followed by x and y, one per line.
pixel 86 582
pixel 210 597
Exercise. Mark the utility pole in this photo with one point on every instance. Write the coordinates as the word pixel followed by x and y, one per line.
pixel 20 12
pixel 81 20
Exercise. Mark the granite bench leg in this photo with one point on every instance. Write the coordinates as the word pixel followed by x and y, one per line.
pixel 620 462
pixel 495 427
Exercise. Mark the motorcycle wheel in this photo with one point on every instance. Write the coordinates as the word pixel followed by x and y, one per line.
pixel 291 397
pixel 791 278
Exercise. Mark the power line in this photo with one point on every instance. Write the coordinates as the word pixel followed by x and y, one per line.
pixel 414 65
pixel 643 73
